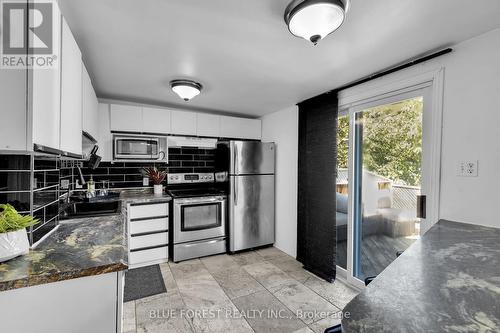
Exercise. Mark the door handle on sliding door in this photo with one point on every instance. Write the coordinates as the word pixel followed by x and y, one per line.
pixel 421 206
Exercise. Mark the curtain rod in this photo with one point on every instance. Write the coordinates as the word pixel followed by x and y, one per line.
pixel 384 72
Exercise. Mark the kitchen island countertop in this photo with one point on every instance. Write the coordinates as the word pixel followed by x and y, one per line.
pixel 448 281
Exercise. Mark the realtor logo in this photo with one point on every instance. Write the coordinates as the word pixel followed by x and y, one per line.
pixel 27 35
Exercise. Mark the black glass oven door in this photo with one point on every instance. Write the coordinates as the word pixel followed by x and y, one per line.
pixel 204 216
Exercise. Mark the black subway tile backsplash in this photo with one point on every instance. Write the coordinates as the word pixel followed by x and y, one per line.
pixel 124 174
pixel 180 170
pixel 15 162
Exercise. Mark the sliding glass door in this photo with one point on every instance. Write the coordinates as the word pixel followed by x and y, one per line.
pixel 383 161
pixel 342 189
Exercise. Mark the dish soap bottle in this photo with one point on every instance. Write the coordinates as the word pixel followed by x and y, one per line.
pixel 91 185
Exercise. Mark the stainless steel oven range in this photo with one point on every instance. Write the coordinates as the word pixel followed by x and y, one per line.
pixel 199 216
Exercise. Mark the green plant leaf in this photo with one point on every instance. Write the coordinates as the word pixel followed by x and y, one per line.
pixel 11 220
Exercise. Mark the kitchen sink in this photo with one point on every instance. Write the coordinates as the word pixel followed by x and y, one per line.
pixel 94 208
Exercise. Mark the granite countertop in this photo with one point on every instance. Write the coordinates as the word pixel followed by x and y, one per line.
pixel 135 197
pixel 141 198
pixel 448 281
pixel 79 247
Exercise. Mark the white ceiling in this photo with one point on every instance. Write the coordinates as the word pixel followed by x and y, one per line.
pixel 242 52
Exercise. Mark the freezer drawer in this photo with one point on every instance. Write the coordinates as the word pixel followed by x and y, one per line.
pixel 251 211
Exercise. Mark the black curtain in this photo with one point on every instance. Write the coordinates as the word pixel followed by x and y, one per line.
pixel 317 169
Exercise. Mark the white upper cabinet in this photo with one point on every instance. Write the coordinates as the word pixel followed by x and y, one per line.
pixel 137 119
pixel 90 106
pixel 183 123
pixel 105 138
pixel 71 93
pixel 155 120
pixel 240 128
pixel 208 125
pixel 126 118
pixel 46 96
pixel 13 132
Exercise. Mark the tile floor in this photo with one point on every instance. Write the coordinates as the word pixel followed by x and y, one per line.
pixel 257 291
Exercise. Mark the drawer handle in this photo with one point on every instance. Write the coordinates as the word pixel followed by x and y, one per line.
pixel 138 219
pixel 149 233
pixel 149 248
pixel 203 242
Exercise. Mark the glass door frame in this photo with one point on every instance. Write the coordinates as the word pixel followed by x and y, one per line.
pixel 431 86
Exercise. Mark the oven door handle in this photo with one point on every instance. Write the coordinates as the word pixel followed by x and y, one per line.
pixel 203 242
pixel 198 201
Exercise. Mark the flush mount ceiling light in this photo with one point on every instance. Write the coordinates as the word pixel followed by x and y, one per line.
pixel 315 19
pixel 186 89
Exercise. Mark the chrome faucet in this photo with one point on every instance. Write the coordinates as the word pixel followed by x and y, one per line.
pixel 80 174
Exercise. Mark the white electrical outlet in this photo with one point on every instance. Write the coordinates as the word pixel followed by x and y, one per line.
pixel 468 168
pixel 64 184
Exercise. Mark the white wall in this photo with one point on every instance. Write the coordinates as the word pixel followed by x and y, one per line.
pixel 471 122
pixel 471 118
pixel 282 128
pixel 471 131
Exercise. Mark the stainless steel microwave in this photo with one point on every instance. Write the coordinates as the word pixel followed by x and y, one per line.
pixel 140 148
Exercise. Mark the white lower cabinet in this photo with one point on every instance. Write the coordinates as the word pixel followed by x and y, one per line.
pixel 149 210
pixel 149 256
pixel 138 242
pixel 148 226
pixel 148 233
pixel 82 305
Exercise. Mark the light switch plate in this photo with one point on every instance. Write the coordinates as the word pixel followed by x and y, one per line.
pixel 145 181
pixel 468 168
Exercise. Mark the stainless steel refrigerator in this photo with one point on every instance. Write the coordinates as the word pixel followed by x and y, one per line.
pixel 251 199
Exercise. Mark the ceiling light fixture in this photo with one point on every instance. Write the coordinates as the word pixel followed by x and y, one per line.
pixel 315 19
pixel 186 89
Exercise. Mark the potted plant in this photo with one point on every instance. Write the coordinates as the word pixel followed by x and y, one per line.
pixel 13 235
pixel 157 177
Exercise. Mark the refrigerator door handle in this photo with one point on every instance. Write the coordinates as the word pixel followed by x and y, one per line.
pixel 235 160
pixel 235 191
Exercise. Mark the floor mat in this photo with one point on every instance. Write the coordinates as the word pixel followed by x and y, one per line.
pixel 143 282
